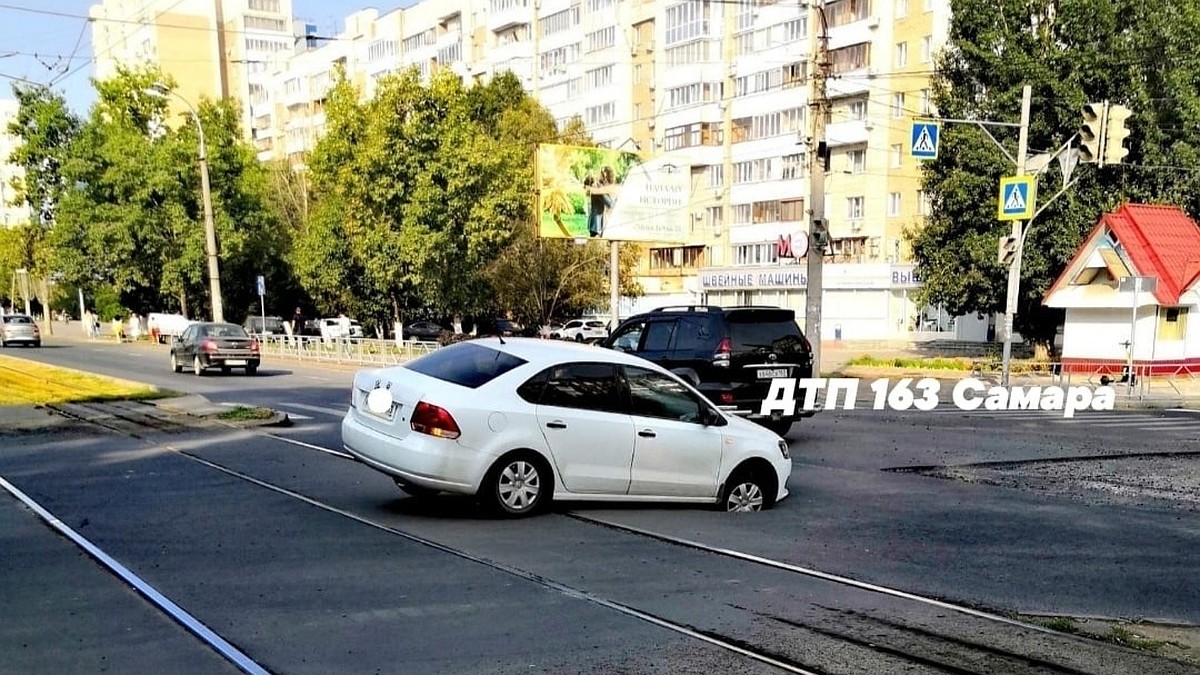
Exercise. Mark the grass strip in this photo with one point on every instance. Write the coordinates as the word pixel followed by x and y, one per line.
pixel 24 382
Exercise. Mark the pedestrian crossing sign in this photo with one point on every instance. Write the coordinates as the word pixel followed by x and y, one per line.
pixel 925 137
pixel 1017 197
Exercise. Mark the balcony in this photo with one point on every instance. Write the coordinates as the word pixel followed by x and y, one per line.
pixel 509 17
pixel 849 132
pixel 852 83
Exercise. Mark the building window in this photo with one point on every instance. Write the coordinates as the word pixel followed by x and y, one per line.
pixel 1172 323
pixel 264 6
pixel 854 57
pixel 599 77
pixel 715 215
pixel 597 5
pixel 898 105
pixel 854 208
pixel 501 5
pixel 382 49
pixel 693 52
pixel 766 212
pixel 556 61
pixel 686 21
pixel 901 9
pixel 791 210
pixel 559 21
pixel 755 254
pixel 793 167
pixel 858 110
pixel 716 175
pixel 897 155
pixel 601 39
pixel 857 161
pixel 600 114
pixel 263 23
pixel 927 49
pixel 924 205
pixel 676 257
pixel 794 74
pixel 741 214
pixel 901 54
pixel 848 11
pixel 926 102
pixel 894 204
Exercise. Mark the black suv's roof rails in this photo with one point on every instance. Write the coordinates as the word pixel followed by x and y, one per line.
pixel 688 308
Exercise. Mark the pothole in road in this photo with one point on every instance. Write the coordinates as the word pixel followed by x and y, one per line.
pixel 1143 480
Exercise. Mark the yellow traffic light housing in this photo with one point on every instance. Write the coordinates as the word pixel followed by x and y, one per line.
pixel 1115 134
pixel 1091 133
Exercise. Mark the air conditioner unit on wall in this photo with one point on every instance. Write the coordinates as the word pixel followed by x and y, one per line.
pixel 873 22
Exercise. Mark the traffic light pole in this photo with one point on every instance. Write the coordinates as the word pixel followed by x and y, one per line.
pixel 1014 269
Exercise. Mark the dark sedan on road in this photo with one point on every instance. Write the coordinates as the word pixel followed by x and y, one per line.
pixel 19 329
pixel 215 345
pixel 426 331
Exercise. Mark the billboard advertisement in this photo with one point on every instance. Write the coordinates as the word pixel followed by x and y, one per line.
pixel 601 193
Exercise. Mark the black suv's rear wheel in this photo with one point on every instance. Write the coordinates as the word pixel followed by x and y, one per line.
pixel 781 427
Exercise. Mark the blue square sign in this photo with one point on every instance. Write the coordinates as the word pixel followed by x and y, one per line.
pixel 925 137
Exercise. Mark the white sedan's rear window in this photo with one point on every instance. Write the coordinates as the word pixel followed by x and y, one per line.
pixel 467 364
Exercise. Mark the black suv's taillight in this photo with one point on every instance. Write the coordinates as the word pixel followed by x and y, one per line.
pixel 722 353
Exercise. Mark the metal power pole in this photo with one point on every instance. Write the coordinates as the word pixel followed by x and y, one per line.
pixel 818 107
pixel 1014 269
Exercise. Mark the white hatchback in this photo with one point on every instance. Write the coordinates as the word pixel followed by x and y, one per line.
pixel 582 330
pixel 521 421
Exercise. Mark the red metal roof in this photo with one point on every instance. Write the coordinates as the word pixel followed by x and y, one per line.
pixel 1161 241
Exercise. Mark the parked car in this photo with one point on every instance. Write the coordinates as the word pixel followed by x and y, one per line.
pixel 259 325
pixel 523 421
pixel 729 354
pixel 331 329
pixel 425 331
pixel 167 326
pixel 19 329
pixel 501 327
pixel 215 345
pixel 582 330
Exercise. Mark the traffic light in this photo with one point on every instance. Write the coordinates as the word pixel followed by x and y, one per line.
pixel 1008 249
pixel 1115 134
pixel 820 236
pixel 1091 134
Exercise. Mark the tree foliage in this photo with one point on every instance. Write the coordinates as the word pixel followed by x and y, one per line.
pixel 131 216
pixel 422 202
pixel 1070 52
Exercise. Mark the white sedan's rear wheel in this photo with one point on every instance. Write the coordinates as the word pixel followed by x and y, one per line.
pixel 518 485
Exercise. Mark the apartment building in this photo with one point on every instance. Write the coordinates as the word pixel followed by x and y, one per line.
pixel 12 212
pixel 212 48
pixel 720 87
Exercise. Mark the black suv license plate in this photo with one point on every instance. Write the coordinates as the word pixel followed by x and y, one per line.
pixel 771 373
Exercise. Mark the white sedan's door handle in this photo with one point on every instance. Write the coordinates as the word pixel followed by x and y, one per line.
pixel 647 433
pixel 556 424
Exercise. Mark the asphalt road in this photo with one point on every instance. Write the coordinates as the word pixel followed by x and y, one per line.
pixel 318 586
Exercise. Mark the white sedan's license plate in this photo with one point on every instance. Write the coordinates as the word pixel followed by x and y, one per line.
pixel 768 373
pixel 236 362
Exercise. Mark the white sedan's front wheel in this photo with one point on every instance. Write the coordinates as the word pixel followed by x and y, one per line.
pixel 744 492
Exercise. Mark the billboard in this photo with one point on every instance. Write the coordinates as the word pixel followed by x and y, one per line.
pixel 601 193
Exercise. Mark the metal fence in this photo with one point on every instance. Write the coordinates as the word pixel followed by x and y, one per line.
pixel 355 351
pixel 1158 381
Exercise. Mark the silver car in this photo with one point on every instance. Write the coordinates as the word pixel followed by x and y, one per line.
pixel 19 329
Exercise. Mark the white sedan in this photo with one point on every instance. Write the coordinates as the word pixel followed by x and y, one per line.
pixel 521 421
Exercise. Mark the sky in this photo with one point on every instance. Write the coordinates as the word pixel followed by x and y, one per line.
pixel 49 41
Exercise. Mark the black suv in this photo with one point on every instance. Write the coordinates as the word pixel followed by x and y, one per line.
pixel 730 354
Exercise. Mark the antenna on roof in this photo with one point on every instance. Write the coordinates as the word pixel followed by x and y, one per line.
pixel 501 338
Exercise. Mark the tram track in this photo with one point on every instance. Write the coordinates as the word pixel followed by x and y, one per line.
pixel 907 647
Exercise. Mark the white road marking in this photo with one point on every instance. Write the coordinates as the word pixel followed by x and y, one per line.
pixel 245 663
pixel 310 446
pixel 317 408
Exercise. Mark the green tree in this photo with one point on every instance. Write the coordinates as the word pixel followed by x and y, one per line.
pixel 1070 52
pixel 132 215
pixel 46 127
pixel 426 184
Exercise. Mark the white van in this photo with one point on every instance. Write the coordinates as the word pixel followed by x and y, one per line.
pixel 169 326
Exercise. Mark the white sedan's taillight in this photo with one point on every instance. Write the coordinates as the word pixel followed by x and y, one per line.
pixel 435 421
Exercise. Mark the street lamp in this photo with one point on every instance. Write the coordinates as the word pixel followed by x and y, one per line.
pixel 210 230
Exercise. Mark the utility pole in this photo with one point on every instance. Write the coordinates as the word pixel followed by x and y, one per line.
pixel 1014 269
pixel 818 106
pixel 728 93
